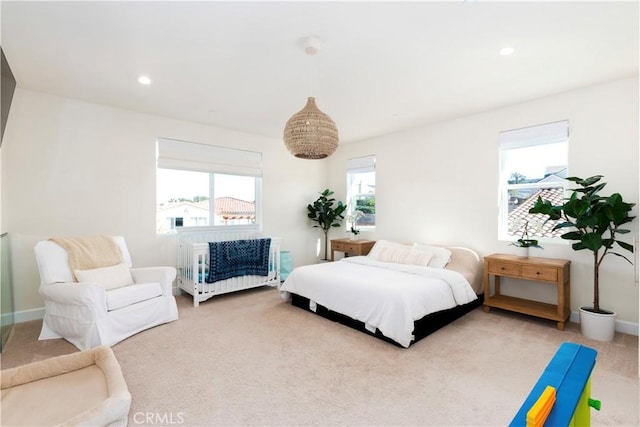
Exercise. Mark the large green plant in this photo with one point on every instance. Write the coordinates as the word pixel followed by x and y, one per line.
pixel 593 222
pixel 326 213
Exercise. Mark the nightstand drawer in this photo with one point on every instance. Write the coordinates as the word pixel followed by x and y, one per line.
pixel 504 268
pixel 351 248
pixel 339 246
pixel 539 273
pixel 354 247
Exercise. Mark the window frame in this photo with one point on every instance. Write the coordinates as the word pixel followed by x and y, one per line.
pixel 359 165
pixel 532 136
pixel 212 160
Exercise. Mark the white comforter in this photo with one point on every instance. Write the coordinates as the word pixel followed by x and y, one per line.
pixel 386 296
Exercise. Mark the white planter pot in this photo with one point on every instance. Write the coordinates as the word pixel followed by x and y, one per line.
pixel 597 326
pixel 522 252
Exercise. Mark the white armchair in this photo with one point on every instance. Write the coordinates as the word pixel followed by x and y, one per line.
pixel 87 314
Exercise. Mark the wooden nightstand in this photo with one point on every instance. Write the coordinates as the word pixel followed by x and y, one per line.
pixel 354 247
pixel 535 269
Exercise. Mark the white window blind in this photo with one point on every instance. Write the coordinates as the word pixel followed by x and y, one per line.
pixel 549 133
pixel 365 163
pixel 182 155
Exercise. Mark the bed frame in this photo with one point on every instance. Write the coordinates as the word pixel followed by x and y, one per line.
pixel 464 260
pixel 423 327
pixel 193 259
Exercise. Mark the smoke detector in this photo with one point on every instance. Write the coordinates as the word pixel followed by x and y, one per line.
pixel 312 45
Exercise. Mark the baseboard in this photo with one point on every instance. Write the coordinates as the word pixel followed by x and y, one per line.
pixel 627 327
pixel 622 326
pixel 28 315
pixel 7 319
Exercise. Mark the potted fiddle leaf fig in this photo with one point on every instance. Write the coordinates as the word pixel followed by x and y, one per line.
pixel 326 212
pixel 593 222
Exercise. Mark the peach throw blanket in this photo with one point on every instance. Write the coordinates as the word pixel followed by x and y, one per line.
pixel 87 253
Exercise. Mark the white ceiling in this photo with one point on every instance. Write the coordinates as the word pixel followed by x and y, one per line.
pixel 383 67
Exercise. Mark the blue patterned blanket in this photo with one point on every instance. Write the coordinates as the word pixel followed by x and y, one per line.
pixel 237 258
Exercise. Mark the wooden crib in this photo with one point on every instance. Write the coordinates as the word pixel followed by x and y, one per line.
pixel 193 263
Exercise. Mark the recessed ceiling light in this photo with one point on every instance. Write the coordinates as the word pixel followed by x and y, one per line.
pixel 506 51
pixel 144 80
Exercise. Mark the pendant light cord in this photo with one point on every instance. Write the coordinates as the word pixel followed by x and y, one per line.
pixel 312 82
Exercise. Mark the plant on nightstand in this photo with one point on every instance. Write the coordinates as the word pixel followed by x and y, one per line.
pixel 353 220
pixel 327 213
pixel 524 242
pixel 594 222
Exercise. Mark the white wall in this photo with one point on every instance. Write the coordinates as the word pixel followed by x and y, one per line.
pixel 439 183
pixel 71 168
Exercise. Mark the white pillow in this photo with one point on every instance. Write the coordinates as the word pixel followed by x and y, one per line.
pixel 112 277
pixel 440 256
pixel 397 255
pixel 416 257
pixel 383 246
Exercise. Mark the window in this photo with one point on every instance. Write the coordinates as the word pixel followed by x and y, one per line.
pixel 202 185
pixel 361 192
pixel 533 162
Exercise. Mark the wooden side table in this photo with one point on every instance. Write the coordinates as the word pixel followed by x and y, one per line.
pixel 535 269
pixel 354 247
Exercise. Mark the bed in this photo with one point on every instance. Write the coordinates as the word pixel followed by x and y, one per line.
pixel 399 293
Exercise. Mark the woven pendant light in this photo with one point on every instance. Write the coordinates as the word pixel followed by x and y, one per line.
pixel 310 133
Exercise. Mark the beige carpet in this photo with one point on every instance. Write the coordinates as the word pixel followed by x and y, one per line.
pixel 250 359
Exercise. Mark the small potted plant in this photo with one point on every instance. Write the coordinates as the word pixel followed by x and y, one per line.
pixel 326 213
pixel 354 232
pixel 353 220
pixel 524 242
pixel 593 223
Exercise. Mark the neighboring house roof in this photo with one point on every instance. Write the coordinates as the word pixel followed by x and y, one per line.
pixel 537 225
pixel 554 178
pixel 226 207
pixel 559 171
pixel 199 206
pixel 230 207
